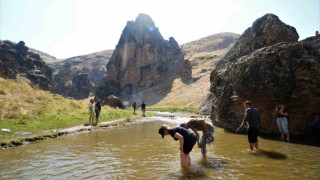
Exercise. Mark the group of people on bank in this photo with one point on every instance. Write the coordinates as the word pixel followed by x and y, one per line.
pixel 143 107
pixel 94 110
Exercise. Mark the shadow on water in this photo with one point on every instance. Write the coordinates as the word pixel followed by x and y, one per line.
pixel 270 154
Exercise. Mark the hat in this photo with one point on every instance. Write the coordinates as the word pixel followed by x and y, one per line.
pixel 161 131
pixel 182 124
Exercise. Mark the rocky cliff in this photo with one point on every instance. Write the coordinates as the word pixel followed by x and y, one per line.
pixel 15 59
pixel 142 59
pixel 270 67
pixel 78 76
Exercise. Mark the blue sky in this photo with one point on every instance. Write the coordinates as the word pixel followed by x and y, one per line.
pixel 66 28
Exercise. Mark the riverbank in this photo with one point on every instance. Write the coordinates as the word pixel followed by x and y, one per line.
pixel 45 134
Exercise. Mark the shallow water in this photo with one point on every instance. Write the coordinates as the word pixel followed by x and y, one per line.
pixel 138 152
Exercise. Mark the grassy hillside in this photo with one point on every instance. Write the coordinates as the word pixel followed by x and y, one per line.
pixel 23 108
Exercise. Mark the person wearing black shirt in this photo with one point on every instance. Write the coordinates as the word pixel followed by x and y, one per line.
pixel 143 108
pixel 186 138
pixel 98 110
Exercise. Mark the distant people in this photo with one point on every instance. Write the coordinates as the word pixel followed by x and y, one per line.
pixel 282 120
pixel 98 110
pixel 134 105
pixel 207 133
pixel 314 125
pixel 317 33
pixel 253 120
pixel 186 139
pixel 143 108
pixel 91 111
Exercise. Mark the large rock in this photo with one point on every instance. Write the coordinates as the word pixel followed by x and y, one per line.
pixel 286 72
pixel 143 59
pixel 114 102
pixel 313 41
pixel 15 59
pixel 265 31
pixel 78 76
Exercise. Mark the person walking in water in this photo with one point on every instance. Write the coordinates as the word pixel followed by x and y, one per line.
pixel 143 108
pixel 253 120
pixel 282 120
pixel 91 111
pixel 207 133
pixel 134 105
pixel 186 139
pixel 98 110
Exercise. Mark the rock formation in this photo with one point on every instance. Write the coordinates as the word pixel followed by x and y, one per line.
pixel 78 76
pixel 15 59
pixel 142 59
pixel 114 102
pixel 270 67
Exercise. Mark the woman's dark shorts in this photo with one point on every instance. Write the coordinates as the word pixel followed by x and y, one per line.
pixel 189 143
pixel 97 113
pixel 253 134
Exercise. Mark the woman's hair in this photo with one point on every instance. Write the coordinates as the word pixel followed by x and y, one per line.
pixel 282 107
pixel 166 127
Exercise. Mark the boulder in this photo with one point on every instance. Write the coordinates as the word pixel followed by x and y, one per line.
pixel 285 73
pixel 114 102
pixel 267 66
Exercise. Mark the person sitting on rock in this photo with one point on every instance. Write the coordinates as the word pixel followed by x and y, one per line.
pixel 91 111
pixel 134 105
pixel 98 110
pixel 207 133
pixel 314 125
pixel 282 120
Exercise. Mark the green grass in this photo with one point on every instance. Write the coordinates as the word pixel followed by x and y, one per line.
pixel 207 57
pixel 23 108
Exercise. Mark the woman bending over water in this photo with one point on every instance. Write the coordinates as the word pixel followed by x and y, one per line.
pixel 186 138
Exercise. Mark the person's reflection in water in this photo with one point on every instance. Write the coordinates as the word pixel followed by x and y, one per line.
pixel 270 154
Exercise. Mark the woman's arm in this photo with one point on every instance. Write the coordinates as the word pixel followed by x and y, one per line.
pixel 181 140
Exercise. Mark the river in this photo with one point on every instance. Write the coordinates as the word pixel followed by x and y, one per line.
pixel 138 152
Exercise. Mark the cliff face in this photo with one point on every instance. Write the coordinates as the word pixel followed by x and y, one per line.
pixel 15 59
pixel 283 71
pixel 78 76
pixel 142 59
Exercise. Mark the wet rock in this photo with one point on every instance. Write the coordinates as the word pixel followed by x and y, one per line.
pixel 114 102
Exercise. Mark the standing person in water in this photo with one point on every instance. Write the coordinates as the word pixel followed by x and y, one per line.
pixel 91 111
pixel 207 133
pixel 134 105
pixel 98 110
pixel 143 108
pixel 282 120
pixel 186 139
pixel 253 120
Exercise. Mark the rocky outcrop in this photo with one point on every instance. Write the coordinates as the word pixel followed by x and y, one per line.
pixel 15 59
pixel 265 31
pixel 142 59
pixel 312 41
pixel 114 102
pixel 78 76
pixel 285 72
